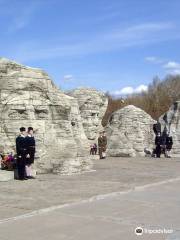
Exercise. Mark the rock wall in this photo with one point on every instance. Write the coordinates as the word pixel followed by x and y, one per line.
pixel 92 105
pixel 170 121
pixel 129 132
pixel 28 97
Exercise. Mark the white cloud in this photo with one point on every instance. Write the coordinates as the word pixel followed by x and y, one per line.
pixel 130 90
pixel 151 59
pixel 124 91
pixel 68 77
pixel 20 14
pixel 172 65
pixel 175 72
pixel 115 39
pixel 151 26
pixel 155 60
pixel 141 88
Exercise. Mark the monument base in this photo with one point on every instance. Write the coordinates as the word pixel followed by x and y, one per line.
pixel 6 175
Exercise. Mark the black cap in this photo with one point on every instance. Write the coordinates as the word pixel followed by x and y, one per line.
pixel 29 129
pixel 22 129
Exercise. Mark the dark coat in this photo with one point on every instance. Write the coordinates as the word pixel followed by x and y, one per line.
pixel 157 128
pixel 158 140
pixel 21 149
pixel 169 143
pixel 31 144
pixel 102 141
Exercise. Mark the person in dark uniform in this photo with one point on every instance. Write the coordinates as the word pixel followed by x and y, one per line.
pixel 164 136
pixel 157 128
pixel 158 143
pixel 92 149
pixel 30 142
pixel 102 144
pixel 169 144
pixel 95 148
pixel 21 150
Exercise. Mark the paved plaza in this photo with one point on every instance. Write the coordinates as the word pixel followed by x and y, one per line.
pixel 120 195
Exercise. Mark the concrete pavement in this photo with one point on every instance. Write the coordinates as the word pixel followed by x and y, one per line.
pixel 128 194
pixel 112 216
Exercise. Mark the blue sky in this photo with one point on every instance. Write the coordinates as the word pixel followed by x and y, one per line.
pixel 116 46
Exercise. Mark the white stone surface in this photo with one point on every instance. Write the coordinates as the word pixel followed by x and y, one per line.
pixel 92 105
pixel 171 121
pixel 129 132
pixel 28 97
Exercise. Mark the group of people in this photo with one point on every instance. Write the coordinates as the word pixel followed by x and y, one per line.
pixel 101 147
pixel 25 149
pixel 93 149
pixel 163 141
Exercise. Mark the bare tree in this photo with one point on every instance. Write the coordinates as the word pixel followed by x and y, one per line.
pixel 160 96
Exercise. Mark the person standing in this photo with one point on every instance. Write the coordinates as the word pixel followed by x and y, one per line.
pixel 163 142
pixel 91 149
pixel 95 148
pixel 31 144
pixel 102 144
pixel 169 144
pixel 157 127
pixel 158 142
pixel 21 150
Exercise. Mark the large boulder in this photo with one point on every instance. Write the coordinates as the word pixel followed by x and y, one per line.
pixel 170 122
pixel 28 97
pixel 92 106
pixel 129 132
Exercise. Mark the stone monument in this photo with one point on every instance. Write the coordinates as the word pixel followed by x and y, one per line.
pixel 92 106
pixel 28 97
pixel 170 122
pixel 129 132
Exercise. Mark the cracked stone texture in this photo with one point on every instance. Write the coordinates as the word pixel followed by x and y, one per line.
pixel 28 97
pixel 92 106
pixel 171 121
pixel 129 132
